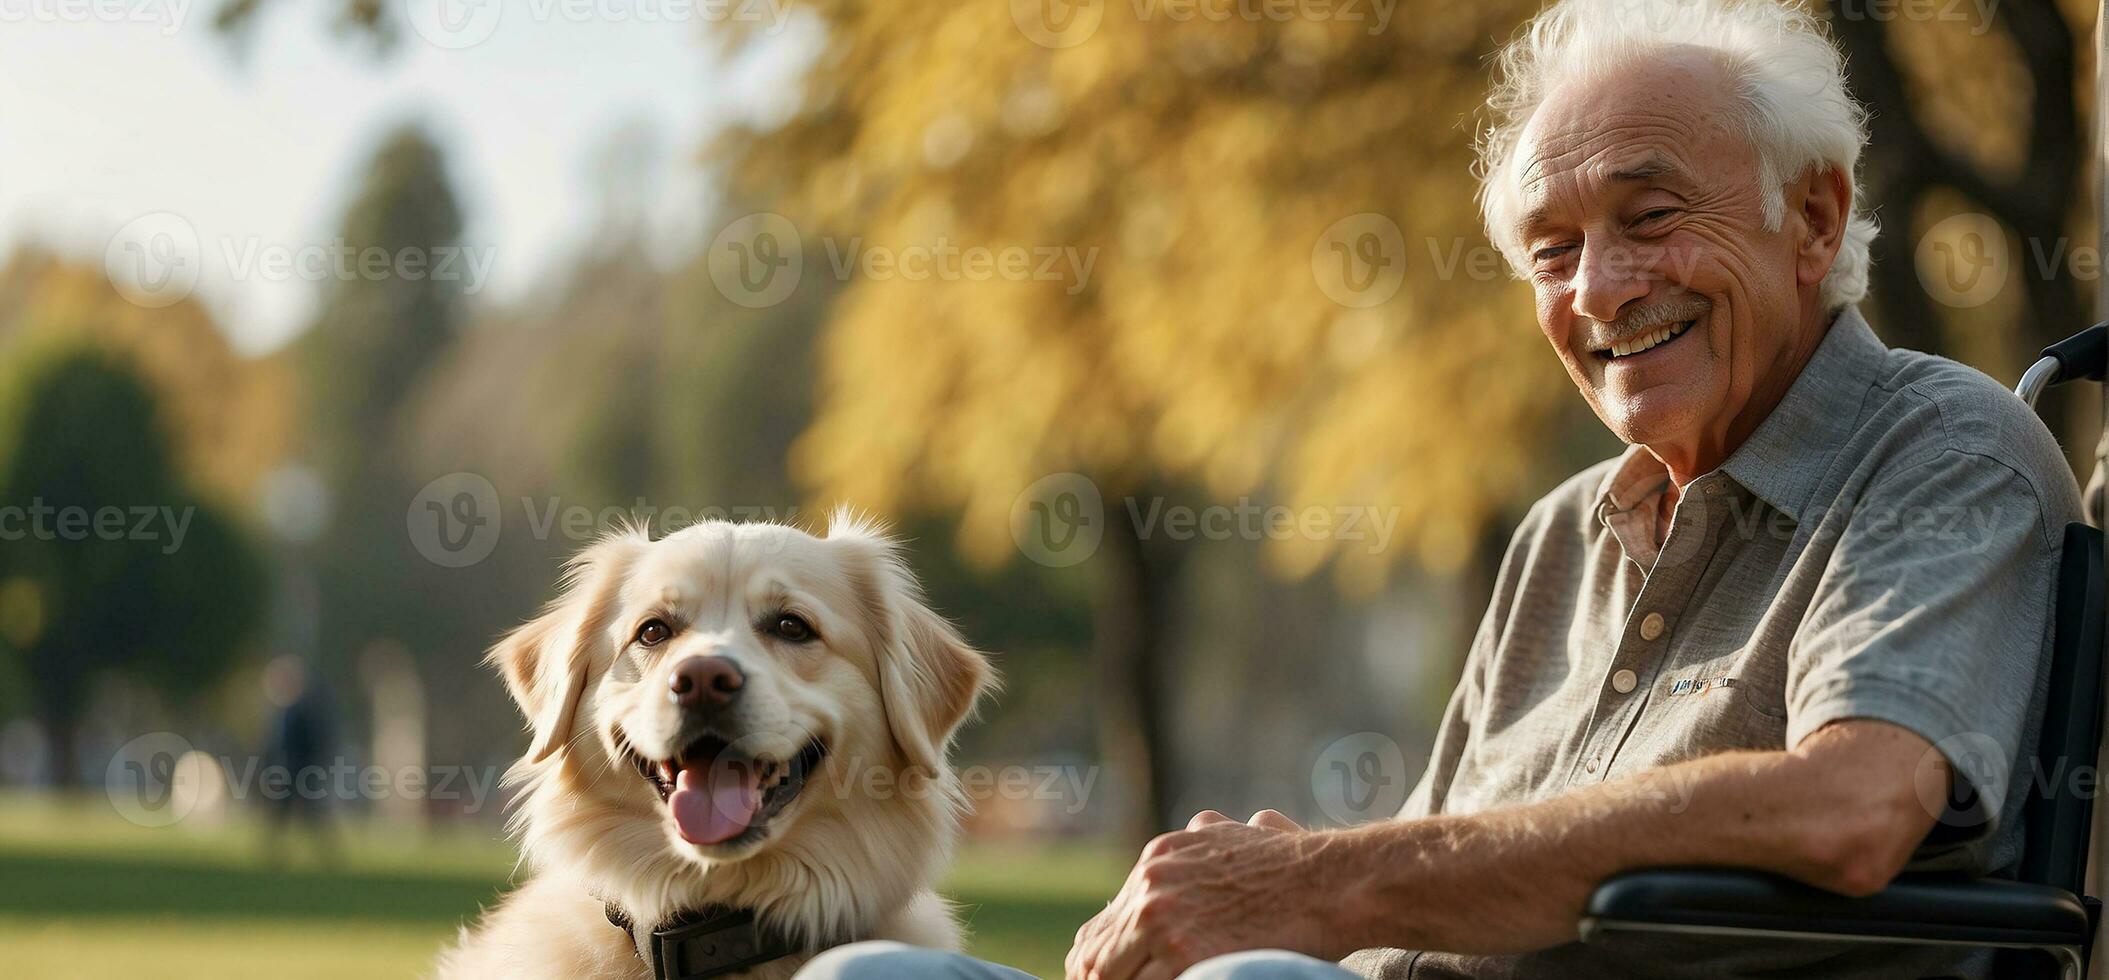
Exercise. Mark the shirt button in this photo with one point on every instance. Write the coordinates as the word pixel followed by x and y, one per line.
pixel 1651 627
pixel 1713 488
pixel 1624 681
pixel 1590 766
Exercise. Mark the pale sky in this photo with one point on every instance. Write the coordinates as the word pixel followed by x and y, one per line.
pixel 143 109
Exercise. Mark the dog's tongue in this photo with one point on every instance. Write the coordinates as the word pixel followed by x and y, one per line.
pixel 714 803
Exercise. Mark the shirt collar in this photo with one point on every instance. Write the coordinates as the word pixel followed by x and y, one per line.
pixel 1782 461
pixel 1783 458
pixel 1628 502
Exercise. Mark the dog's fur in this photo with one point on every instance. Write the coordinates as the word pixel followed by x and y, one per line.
pixel 853 856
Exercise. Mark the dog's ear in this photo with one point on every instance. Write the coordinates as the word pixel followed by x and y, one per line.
pixel 545 662
pixel 929 678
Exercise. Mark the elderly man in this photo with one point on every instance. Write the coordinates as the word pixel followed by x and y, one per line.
pixel 1800 625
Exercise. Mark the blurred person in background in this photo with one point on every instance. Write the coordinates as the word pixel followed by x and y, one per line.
pixel 299 742
pixel 1850 548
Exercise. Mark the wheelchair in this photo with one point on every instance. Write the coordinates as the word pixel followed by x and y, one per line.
pixel 2045 909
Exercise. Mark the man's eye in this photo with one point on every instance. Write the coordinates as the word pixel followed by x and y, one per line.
pixel 653 633
pixel 1653 215
pixel 792 627
pixel 1549 254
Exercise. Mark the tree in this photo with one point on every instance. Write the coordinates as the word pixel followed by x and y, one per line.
pixel 1988 117
pixel 113 563
pixel 376 336
pixel 378 330
pixel 229 418
pixel 1214 173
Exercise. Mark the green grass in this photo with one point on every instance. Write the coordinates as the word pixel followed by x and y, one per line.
pixel 85 894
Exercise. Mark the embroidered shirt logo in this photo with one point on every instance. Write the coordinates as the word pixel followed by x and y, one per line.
pixel 1700 685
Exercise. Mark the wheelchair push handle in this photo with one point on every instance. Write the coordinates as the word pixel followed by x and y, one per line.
pixel 2082 355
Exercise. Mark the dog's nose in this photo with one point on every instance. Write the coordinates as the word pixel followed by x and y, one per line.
pixel 706 682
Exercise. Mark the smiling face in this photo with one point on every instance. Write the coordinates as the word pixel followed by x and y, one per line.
pixel 729 693
pixel 1640 217
pixel 741 662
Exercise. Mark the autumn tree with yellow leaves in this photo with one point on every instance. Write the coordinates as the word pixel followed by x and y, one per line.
pixel 1287 294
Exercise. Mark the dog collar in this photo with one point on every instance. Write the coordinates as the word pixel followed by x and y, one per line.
pixel 702 943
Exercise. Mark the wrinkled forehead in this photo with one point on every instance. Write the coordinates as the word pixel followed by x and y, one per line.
pixel 719 572
pixel 1664 121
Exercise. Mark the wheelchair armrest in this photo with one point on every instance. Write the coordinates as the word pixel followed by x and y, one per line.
pixel 1913 909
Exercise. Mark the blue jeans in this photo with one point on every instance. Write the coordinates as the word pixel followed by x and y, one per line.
pixel 898 961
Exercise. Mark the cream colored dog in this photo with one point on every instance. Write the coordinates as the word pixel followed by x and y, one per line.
pixel 737 717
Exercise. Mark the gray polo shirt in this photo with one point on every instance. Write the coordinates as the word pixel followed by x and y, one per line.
pixel 1883 546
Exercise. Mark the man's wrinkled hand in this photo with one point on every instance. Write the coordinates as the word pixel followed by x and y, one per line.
pixel 1217 887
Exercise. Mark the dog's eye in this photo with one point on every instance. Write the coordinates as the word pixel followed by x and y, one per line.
pixel 653 633
pixel 792 627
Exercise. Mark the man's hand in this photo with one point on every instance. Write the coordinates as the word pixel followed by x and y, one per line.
pixel 1217 887
pixel 1842 811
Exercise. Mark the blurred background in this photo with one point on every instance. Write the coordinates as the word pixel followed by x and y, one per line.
pixel 1163 330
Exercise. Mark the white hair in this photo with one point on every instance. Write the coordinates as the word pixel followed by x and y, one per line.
pixel 1790 98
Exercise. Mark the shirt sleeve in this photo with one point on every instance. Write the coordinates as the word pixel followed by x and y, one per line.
pixel 1934 615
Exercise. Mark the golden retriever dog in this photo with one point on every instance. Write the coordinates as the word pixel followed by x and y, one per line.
pixel 738 758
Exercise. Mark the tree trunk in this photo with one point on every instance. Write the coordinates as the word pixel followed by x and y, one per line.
pixel 1135 730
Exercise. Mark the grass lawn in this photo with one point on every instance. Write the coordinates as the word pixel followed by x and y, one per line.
pixel 85 894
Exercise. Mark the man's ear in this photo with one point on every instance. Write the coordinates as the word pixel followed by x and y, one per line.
pixel 929 678
pixel 1825 199
pixel 545 662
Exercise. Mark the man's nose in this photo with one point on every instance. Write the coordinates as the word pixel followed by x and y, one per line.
pixel 1605 280
pixel 705 682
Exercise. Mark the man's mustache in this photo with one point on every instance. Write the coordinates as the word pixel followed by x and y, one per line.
pixel 1638 321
